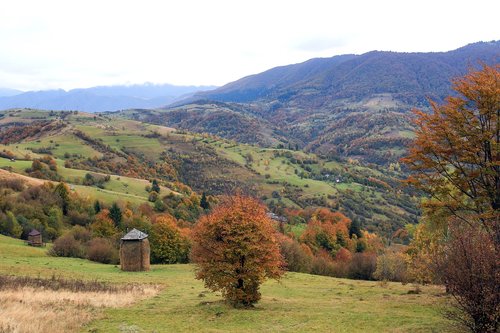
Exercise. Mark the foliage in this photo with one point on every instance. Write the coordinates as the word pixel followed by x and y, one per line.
pixel 455 154
pixel 235 249
pixel 67 246
pixel 10 226
pixel 115 214
pixel 455 160
pixel 392 265
pixel 298 257
pixel 103 226
pixel 168 244
pixel 469 268
pixel 204 202
pixel 101 250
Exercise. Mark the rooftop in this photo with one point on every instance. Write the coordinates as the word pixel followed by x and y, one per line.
pixel 34 232
pixel 134 234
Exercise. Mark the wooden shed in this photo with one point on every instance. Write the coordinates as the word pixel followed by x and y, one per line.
pixel 134 251
pixel 35 238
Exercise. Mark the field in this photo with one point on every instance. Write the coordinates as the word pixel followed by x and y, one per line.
pixel 298 303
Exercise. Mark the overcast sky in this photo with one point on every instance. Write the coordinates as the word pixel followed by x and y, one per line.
pixel 73 43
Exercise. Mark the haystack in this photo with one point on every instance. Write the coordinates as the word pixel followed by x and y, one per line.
pixel 134 251
pixel 35 238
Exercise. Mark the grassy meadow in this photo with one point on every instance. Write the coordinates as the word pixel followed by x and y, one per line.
pixel 298 303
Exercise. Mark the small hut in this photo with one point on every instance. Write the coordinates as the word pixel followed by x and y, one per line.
pixel 134 251
pixel 35 238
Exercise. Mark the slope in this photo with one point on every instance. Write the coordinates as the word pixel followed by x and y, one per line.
pixel 129 151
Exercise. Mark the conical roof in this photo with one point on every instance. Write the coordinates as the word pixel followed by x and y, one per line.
pixel 34 232
pixel 134 234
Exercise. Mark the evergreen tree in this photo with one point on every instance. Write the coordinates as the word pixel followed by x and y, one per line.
pixel 355 228
pixel 204 202
pixel 115 213
pixel 155 186
pixel 97 206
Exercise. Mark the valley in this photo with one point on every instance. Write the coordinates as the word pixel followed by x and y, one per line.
pixel 107 144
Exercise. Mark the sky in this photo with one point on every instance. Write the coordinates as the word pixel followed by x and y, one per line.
pixel 82 43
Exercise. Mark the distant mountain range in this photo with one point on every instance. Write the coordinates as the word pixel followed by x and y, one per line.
pixel 96 99
pixel 409 77
pixel 349 105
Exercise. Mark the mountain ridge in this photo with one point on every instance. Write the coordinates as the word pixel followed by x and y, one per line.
pixel 99 98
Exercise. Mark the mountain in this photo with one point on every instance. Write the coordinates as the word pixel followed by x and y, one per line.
pixel 410 77
pixel 4 92
pixel 103 98
pixel 352 106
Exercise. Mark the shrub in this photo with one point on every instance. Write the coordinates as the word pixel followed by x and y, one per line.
pixel 101 250
pixel 391 266
pixel 67 246
pixel 296 258
pixel 323 265
pixel 81 234
pixel 362 266
pixel 469 267
pixel 77 218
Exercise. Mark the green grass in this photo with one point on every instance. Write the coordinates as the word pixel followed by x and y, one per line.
pixel 117 188
pixel 299 303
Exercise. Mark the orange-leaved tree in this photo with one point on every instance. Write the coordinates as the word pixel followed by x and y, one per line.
pixel 456 154
pixel 235 249
pixel 456 160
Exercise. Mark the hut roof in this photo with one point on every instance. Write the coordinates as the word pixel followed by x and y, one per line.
pixel 134 234
pixel 34 232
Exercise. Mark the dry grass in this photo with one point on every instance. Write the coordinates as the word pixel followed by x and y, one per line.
pixel 31 305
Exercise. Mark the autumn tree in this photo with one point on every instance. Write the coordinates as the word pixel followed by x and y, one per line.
pixel 168 244
pixel 235 249
pixel 103 226
pixel 10 226
pixel 62 192
pixel 456 160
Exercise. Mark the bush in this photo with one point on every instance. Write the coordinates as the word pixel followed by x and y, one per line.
pixel 81 234
pixel 77 218
pixel 391 266
pixel 67 246
pixel 469 267
pixel 323 265
pixel 362 266
pixel 101 250
pixel 296 258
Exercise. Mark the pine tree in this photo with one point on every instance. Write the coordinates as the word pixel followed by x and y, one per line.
pixel 115 213
pixel 155 187
pixel 204 202
pixel 97 206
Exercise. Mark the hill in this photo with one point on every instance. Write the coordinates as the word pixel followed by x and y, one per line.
pixel 349 106
pixel 133 152
pixel 409 77
pixel 300 302
pixel 104 98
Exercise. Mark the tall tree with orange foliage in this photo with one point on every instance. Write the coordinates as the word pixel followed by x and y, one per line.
pixel 456 160
pixel 235 249
pixel 456 154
